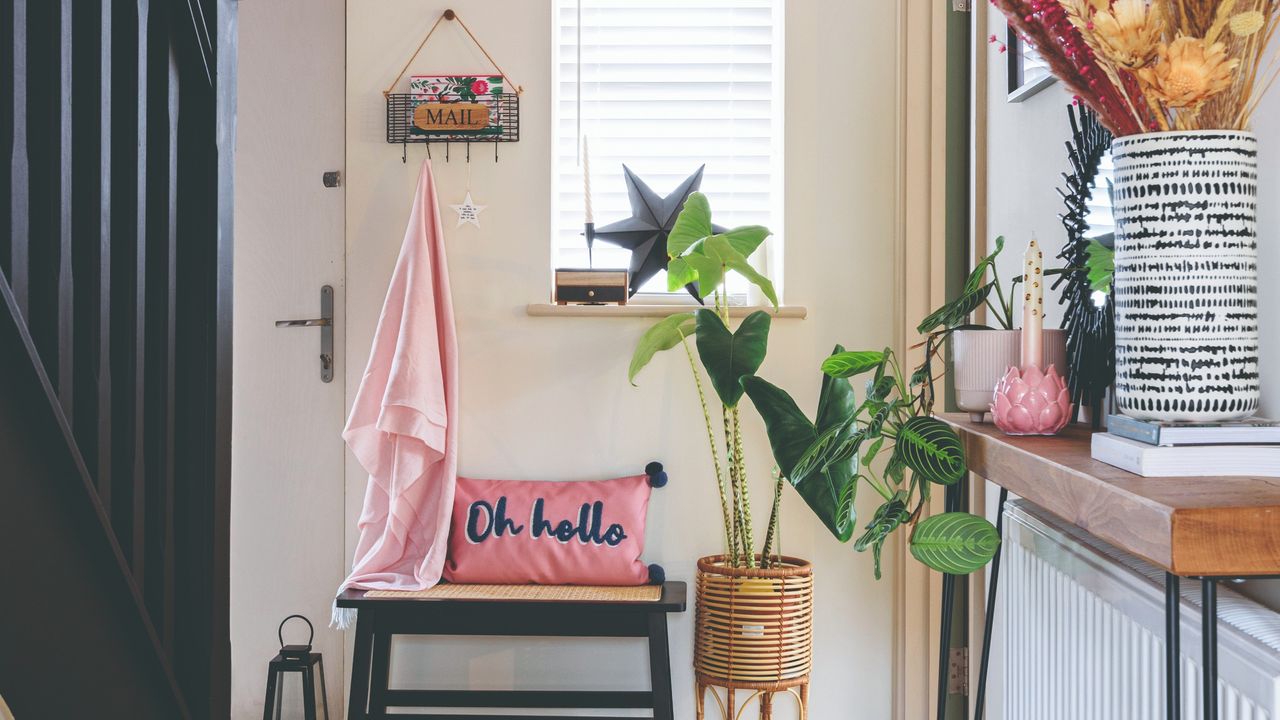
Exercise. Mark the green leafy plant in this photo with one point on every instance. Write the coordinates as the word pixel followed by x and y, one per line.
pixel 894 421
pixel 697 254
pixel 888 441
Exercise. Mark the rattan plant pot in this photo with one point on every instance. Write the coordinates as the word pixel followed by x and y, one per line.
pixel 754 628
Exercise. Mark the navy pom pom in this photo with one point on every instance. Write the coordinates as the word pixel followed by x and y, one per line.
pixel 657 477
pixel 657 575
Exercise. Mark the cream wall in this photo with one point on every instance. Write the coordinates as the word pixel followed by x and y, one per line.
pixel 548 397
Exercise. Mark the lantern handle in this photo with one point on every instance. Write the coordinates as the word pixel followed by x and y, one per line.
pixel 310 627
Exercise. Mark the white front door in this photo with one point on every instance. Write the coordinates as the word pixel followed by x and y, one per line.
pixel 287 452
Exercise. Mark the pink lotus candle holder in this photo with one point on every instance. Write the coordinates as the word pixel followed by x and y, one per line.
pixel 1031 401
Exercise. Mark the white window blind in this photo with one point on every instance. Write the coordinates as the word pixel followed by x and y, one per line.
pixel 665 86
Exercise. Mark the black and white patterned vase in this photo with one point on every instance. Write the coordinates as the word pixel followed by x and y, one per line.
pixel 1186 281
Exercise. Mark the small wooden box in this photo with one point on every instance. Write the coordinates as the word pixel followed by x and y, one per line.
pixel 591 287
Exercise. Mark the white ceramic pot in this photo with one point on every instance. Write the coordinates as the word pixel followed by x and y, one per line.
pixel 1186 281
pixel 981 358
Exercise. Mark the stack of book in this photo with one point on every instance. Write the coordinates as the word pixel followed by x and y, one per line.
pixel 1184 449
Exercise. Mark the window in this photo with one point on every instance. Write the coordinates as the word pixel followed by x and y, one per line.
pixel 665 86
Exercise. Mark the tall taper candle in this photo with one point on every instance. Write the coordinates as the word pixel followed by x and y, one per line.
pixel 1033 306
pixel 586 180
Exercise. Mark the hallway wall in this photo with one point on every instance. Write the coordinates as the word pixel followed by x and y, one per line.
pixel 548 397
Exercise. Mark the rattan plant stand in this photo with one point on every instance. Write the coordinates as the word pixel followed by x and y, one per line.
pixel 754 632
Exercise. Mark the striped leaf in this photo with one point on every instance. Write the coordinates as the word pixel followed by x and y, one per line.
pixel 853 362
pixel 955 543
pixel 887 519
pixel 932 449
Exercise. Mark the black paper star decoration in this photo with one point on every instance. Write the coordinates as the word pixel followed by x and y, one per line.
pixel 645 232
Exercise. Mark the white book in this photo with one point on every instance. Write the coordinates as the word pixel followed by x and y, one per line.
pixel 1186 460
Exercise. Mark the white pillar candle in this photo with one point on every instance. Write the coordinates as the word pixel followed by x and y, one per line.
pixel 1033 306
pixel 586 180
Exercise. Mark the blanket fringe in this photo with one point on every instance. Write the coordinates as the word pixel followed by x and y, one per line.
pixel 342 618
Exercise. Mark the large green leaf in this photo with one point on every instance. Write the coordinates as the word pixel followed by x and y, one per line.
pixel 956 543
pixel 1101 264
pixel 729 356
pixel 713 256
pixel 828 489
pixel 887 518
pixel 692 224
pixel 664 335
pixel 853 362
pixel 931 449
pixel 747 238
pixel 679 274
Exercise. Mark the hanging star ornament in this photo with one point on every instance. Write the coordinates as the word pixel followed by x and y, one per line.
pixel 468 211
pixel 645 232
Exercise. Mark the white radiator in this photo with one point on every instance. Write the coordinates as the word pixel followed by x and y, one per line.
pixel 1081 635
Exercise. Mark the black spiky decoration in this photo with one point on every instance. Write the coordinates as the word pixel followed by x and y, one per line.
pixel 1091 340
pixel 645 232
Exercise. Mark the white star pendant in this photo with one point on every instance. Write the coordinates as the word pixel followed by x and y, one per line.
pixel 468 211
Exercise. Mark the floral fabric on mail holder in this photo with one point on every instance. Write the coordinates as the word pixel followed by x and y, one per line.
pixel 485 90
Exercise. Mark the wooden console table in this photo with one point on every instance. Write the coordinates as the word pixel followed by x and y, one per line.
pixel 1207 528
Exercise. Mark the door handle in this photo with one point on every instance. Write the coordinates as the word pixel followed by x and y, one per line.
pixel 325 323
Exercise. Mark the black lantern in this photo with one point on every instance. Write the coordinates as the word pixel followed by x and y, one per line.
pixel 295 659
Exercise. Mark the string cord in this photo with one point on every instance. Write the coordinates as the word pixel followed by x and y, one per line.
pixel 450 15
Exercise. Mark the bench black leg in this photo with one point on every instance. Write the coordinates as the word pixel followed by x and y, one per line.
pixel 358 705
pixel 379 679
pixel 660 667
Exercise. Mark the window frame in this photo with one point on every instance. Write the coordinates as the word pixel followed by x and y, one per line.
pixel 768 259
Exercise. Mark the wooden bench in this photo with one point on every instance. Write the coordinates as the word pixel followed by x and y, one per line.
pixel 383 615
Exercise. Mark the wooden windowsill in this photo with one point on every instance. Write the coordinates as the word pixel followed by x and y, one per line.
pixel 796 312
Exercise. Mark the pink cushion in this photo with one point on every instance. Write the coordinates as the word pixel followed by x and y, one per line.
pixel 549 533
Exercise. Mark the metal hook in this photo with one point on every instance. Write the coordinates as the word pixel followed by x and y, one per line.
pixel 468 152
pixel 404 153
pixel 428 151
pixel 495 152
pixel 446 152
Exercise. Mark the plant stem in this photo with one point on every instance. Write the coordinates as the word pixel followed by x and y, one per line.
pixel 773 519
pixel 748 539
pixel 733 485
pixel 711 440
pixel 1007 320
pixel 881 490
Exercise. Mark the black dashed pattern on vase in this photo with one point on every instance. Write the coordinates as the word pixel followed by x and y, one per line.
pixel 1186 282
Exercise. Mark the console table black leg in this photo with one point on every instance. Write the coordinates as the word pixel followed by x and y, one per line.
pixel 980 701
pixel 954 494
pixel 358 705
pixel 1172 647
pixel 660 667
pixel 1209 645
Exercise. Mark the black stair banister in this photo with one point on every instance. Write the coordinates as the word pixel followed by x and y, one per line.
pixel 76 640
pixel 116 144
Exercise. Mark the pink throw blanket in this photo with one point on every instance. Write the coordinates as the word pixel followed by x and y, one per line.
pixel 403 426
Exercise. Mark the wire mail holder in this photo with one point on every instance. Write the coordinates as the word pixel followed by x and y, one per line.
pixel 415 117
